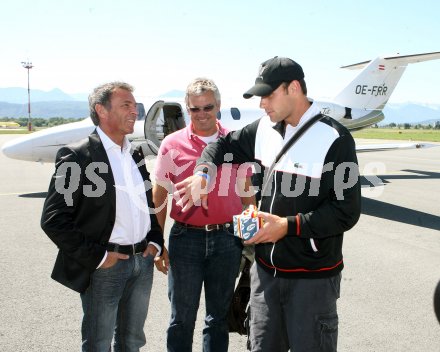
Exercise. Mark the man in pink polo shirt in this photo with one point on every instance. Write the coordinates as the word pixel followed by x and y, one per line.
pixel 202 248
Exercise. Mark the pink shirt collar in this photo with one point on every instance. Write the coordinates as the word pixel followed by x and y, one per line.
pixel 221 130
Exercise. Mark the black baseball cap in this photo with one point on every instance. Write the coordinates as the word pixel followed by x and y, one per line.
pixel 272 73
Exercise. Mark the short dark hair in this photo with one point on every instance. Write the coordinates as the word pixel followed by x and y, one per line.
pixel 102 95
pixel 302 84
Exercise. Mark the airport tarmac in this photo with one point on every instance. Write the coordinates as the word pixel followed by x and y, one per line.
pixel 392 264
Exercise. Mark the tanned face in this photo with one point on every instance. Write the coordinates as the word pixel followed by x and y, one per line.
pixel 286 103
pixel 204 120
pixel 119 118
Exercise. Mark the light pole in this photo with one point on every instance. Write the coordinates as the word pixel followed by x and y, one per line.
pixel 28 66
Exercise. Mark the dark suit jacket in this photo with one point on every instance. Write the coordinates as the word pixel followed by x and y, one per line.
pixel 79 211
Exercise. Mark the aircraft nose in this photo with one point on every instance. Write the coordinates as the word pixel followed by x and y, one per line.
pixel 16 148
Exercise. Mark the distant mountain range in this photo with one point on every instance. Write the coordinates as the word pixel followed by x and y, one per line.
pixel 20 95
pixel 412 113
pixel 46 109
pixel 56 103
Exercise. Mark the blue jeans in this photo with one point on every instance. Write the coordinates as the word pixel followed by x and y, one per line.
pixel 116 305
pixel 197 258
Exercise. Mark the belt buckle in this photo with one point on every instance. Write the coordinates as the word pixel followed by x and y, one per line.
pixel 212 227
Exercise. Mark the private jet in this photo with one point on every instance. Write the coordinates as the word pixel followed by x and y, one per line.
pixel 359 105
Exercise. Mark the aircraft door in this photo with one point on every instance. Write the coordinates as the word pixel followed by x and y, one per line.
pixel 162 119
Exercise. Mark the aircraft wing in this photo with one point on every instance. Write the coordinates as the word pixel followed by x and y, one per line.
pixel 392 146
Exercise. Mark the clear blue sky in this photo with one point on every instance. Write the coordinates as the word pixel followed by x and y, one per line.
pixel 161 45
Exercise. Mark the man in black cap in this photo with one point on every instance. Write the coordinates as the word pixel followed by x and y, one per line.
pixel 312 199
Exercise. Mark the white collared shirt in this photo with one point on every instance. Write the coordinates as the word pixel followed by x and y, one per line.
pixel 132 221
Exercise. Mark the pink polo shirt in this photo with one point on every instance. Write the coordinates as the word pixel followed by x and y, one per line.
pixel 175 162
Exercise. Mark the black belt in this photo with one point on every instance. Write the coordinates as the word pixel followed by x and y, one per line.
pixel 208 228
pixel 130 249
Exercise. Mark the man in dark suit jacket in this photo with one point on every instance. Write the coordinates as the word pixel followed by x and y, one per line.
pixel 99 212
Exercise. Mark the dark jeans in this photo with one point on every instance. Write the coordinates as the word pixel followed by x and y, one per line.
pixel 197 258
pixel 299 314
pixel 116 304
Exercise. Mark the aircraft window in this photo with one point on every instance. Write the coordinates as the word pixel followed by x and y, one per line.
pixel 235 113
pixel 219 115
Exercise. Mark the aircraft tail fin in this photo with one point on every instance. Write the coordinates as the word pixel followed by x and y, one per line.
pixel 371 89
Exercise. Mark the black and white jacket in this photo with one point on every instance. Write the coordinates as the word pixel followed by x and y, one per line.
pixel 315 185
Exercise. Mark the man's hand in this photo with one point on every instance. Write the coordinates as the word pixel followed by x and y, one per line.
pixel 192 191
pixel 163 262
pixel 112 258
pixel 274 229
pixel 150 250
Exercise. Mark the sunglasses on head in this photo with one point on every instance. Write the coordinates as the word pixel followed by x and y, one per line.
pixel 206 108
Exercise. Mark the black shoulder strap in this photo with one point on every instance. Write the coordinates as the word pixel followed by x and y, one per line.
pixel 286 147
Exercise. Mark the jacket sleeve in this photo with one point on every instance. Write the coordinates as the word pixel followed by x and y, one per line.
pixel 58 219
pixel 155 234
pixel 341 207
